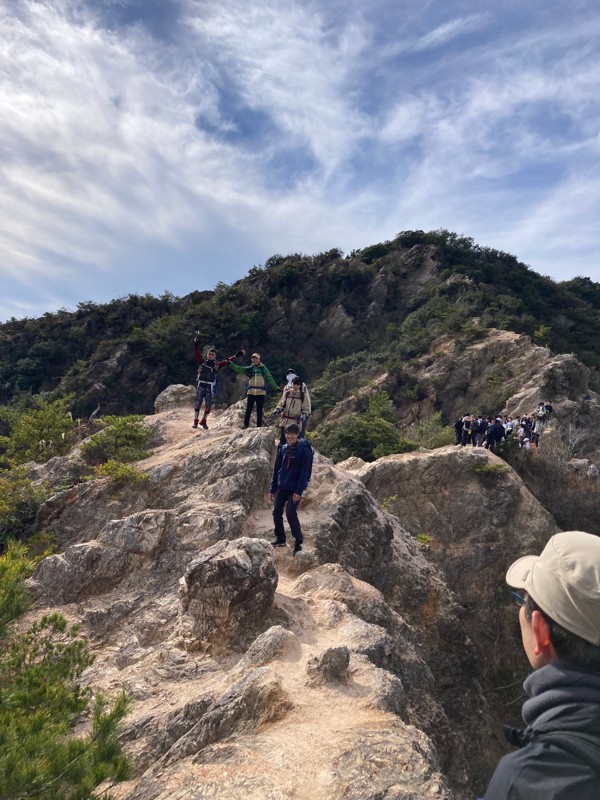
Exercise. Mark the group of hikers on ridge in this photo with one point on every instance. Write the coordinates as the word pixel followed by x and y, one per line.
pixel 294 405
pixel 293 464
pixel 488 432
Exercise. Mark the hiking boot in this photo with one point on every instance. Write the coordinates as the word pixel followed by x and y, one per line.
pixel 277 543
pixel 297 547
pixel 195 423
pixel 204 425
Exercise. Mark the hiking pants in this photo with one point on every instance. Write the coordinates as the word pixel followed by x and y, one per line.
pixel 283 498
pixel 203 392
pixel 259 399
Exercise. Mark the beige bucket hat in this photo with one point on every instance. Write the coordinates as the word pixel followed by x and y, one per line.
pixel 564 581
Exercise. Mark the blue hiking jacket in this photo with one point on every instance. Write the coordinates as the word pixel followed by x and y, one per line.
pixel 292 468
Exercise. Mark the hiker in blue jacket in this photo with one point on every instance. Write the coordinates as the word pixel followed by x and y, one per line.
pixel 559 755
pixel 291 475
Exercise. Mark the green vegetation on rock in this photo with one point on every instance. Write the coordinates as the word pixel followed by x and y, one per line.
pixel 369 435
pixel 121 439
pixel 42 698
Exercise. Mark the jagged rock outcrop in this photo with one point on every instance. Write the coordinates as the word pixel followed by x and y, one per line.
pixel 210 489
pixel 227 591
pixel 467 507
pixel 82 569
pixel 174 396
pixel 500 373
pixel 383 767
pixel 472 516
pixel 330 665
pixel 251 701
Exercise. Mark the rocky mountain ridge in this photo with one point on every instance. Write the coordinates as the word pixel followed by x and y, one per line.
pixel 365 666
pixel 386 304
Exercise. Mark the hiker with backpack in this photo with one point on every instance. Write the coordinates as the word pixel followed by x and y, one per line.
pixel 207 379
pixel 559 616
pixel 289 377
pixel 259 381
pixel 294 406
pixel 291 474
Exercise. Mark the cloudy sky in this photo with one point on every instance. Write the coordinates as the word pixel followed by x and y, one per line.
pixel 165 145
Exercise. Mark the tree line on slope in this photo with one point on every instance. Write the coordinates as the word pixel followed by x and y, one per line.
pixel 291 309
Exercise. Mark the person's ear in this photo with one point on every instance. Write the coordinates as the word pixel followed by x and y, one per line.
pixel 541 633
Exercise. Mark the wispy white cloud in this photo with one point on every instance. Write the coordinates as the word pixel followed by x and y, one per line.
pixel 292 125
pixel 448 31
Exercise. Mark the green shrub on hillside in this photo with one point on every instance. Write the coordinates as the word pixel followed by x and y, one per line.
pixel 15 568
pixel 432 432
pixel 120 474
pixel 38 433
pixel 121 439
pixel 19 502
pixel 369 435
pixel 41 700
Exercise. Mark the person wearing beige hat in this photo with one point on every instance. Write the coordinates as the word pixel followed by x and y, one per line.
pixel 559 615
pixel 260 381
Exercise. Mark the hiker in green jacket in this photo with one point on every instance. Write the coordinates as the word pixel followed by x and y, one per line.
pixel 259 379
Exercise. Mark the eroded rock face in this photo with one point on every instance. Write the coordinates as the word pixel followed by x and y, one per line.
pixel 374 547
pixel 473 517
pixel 255 699
pixel 92 568
pixel 210 484
pixel 227 591
pixel 71 575
pixel 267 647
pixel 142 533
pixel 174 396
pixel 468 508
pixel 390 766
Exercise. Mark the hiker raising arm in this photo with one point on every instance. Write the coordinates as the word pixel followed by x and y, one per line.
pixel 206 380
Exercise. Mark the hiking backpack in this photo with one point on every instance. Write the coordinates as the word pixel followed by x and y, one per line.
pixel 311 455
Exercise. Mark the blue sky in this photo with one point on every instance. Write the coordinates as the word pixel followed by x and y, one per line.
pixel 166 145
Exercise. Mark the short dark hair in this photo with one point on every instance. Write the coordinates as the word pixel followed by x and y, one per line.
pixel 297 380
pixel 570 648
pixel 292 428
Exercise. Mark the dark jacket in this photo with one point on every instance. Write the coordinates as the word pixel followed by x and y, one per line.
pixel 496 432
pixel 554 763
pixel 208 367
pixel 292 468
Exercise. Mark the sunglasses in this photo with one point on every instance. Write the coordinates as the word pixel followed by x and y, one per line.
pixel 518 598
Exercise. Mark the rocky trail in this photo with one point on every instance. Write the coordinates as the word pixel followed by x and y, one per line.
pixel 347 672
pixel 330 710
